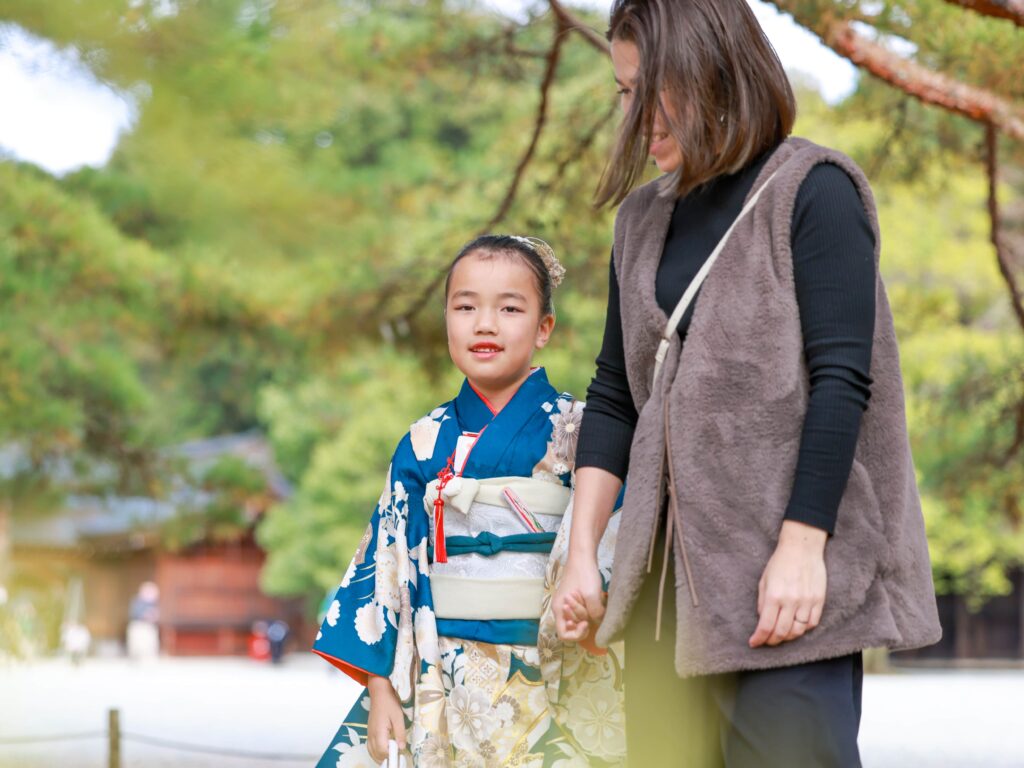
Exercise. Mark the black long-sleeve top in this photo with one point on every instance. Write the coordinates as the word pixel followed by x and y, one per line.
pixel 834 273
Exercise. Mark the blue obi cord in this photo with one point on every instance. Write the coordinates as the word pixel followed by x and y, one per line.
pixel 497 631
pixel 487 543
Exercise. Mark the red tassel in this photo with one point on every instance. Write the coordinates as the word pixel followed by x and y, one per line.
pixel 440 551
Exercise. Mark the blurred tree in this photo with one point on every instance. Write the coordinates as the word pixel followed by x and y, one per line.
pixel 229 498
pixel 81 306
pixel 101 351
pixel 311 537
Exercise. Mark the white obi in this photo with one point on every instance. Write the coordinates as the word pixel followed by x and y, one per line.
pixel 505 585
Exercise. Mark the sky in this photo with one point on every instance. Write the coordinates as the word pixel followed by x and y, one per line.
pixel 53 112
pixel 56 114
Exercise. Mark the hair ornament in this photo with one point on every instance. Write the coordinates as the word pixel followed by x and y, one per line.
pixel 547 255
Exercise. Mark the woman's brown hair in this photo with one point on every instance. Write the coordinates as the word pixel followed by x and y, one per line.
pixel 712 62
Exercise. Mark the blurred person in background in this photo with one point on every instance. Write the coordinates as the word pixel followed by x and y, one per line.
pixel 277 635
pixel 76 639
pixel 143 625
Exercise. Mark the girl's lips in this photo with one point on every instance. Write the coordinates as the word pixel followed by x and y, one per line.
pixel 485 351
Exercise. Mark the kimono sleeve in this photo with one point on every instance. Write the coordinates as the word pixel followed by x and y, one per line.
pixel 360 631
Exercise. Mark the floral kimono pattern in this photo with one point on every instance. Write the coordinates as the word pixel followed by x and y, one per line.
pixel 450 589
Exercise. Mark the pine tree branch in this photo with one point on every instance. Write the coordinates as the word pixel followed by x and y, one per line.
pixel 550 68
pixel 1018 433
pixel 581 147
pixel 1013 10
pixel 922 83
pixel 572 23
pixel 1002 254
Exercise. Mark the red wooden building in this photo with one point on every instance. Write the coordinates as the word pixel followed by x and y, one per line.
pixel 210 599
pixel 210 594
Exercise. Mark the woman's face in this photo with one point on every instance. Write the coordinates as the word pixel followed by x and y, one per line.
pixel 663 147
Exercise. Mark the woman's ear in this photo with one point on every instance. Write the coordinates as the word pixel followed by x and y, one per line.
pixel 547 325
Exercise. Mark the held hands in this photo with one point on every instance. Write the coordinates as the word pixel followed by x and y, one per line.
pixel 386 718
pixel 791 593
pixel 579 600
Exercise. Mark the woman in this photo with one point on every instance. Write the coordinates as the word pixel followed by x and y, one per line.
pixel 780 510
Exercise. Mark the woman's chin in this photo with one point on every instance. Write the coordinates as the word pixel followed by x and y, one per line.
pixel 667 164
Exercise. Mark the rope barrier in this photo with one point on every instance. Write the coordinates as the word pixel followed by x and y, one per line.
pixel 58 737
pixel 164 743
pixel 116 736
pixel 206 750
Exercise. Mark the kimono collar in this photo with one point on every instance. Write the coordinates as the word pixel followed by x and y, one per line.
pixel 475 412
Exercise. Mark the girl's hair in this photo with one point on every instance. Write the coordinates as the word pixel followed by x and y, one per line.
pixel 713 64
pixel 489 246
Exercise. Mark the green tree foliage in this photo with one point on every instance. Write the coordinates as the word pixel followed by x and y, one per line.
pixel 228 498
pixel 83 306
pixel 371 398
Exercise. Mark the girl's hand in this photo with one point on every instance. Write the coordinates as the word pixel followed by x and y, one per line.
pixel 387 721
pixel 791 593
pixel 579 599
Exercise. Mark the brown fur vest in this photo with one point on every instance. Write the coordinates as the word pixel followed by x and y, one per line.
pixel 736 394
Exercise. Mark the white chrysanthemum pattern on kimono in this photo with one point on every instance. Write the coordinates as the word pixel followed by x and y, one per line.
pixel 426 635
pixel 424 434
pixel 353 754
pixel 470 720
pixel 388 586
pixel 597 719
pixel 333 613
pixel 370 622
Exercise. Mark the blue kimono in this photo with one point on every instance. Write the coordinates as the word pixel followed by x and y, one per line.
pixel 449 594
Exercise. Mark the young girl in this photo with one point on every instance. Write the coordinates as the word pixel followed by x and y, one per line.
pixel 444 613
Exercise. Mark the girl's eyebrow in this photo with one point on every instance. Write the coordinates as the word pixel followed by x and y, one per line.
pixel 468 294
pixel 622 84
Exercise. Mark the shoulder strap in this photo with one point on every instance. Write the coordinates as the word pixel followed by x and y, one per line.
pixel 694 286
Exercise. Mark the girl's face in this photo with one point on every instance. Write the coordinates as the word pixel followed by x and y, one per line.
pixel 663 147
pixel 494 322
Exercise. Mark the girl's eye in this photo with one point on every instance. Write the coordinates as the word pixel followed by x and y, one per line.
pixel 511 309
pixel 463 307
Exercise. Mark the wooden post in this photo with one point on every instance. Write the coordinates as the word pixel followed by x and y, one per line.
pixel 114 738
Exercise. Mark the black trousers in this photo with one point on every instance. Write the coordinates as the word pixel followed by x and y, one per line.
pixel 803 716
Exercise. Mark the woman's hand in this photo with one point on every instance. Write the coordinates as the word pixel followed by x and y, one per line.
pixel 791 594
pixel 387 720
pixel 579 600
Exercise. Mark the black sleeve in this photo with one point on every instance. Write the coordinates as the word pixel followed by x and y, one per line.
pixel 610 416
pixel 834 272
